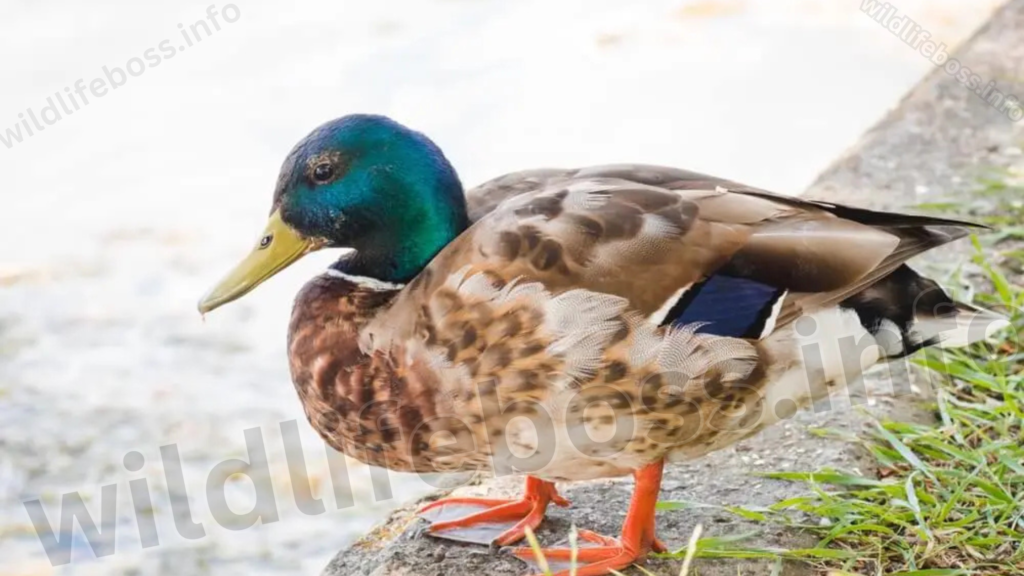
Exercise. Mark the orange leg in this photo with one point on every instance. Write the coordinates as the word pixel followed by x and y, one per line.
pixel 528 511
pixel 637 533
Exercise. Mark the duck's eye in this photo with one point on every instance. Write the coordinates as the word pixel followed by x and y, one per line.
pixel 323 172
pixel 266 240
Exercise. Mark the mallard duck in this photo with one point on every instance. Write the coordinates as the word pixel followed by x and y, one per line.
pixel 574 324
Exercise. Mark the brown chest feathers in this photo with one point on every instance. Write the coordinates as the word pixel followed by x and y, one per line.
pixel 363 404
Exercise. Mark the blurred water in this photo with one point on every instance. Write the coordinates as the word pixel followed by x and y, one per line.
pixel 117 217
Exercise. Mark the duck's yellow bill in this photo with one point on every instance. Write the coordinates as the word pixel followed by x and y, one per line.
pixel 279 246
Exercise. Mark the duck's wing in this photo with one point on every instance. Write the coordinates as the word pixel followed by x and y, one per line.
pixel 678 246
pixel 647 232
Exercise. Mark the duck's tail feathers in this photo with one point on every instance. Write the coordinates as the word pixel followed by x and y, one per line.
pixel 906 312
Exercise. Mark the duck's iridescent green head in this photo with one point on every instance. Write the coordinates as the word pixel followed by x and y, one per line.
pixel 363 182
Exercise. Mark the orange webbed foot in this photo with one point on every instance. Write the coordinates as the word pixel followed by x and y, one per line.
pixel 489 520
pixel 598 555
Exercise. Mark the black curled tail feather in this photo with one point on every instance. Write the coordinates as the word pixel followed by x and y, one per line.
pixel 920 312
